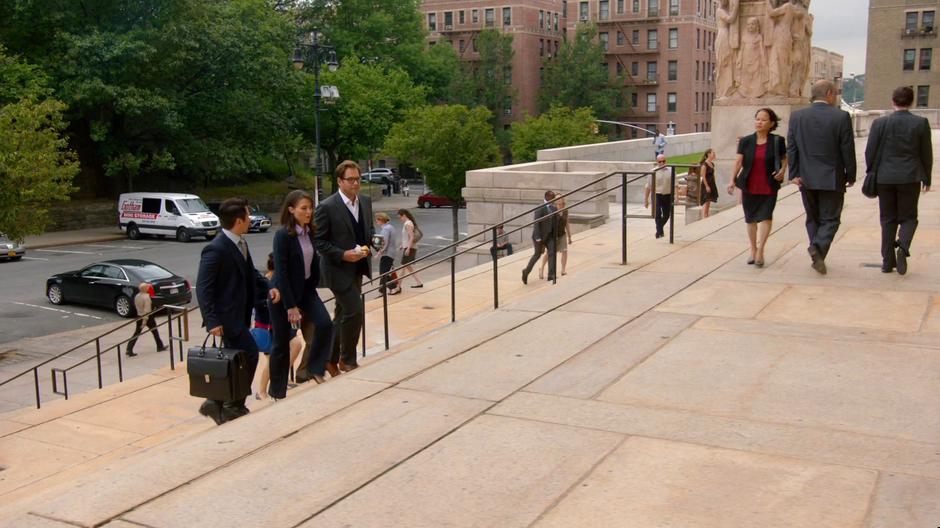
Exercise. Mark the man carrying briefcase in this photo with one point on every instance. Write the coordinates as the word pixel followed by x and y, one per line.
pixel 227 287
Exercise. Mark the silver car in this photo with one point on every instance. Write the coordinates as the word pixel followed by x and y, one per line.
pixel 10 250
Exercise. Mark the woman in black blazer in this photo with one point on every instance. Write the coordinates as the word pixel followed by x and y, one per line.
pixel 759 168
pixel 296 273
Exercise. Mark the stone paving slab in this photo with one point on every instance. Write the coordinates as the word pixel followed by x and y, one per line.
pixel 905 500
pixel 649 482
pixel 519 469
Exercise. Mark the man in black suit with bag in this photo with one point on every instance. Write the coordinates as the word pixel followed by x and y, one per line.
pixel 228 286
pixel 344 232
pixel 543 237
pixel 899 155
pixel 821 157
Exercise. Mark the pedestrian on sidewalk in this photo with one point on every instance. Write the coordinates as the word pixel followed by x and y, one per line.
pixel 262 333
pixel 562 238
pixel 759 168
pixel 543 237
pixel 228 286
pixel 410 235
pixel 144 307
pixel 502 242
pixel 386 261
pixel 296 275
pixel 900 155
pixel 707 190
pixel 821 151
pixel 662 177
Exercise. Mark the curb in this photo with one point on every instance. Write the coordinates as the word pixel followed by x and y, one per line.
pixel 94 238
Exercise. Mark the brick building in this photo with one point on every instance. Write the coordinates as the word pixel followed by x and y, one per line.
pixel 662 48
pixel 901 37
pixel 825 64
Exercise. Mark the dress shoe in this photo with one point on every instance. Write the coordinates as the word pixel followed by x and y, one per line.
pixel 346 368
pixel 819 264
pixel 161 348
pixel 887 269
pixel 301 378
pixel 332 369
pixel 130 353
pixel 525 277
pixel 750 262
pixel 417 285
pixel 232 412
pixel 759 263
pixel 213 410
pixel 902 261
pixel 318 378
pixel 550 278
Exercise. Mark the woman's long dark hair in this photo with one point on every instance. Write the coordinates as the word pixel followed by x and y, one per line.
pixel 774 119
pixel 408 215
pixel 292 199
pixel 705 156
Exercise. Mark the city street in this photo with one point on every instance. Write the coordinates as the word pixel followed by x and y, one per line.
pixel 25 312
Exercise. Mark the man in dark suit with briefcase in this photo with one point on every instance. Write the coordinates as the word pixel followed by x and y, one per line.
pixel 821 156
pixel 227 287
pixel 343 234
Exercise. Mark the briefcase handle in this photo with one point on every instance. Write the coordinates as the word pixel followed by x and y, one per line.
pixel 202 349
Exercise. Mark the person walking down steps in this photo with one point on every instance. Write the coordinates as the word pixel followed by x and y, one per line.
pixel 144 307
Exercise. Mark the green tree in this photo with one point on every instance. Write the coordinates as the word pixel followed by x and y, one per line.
pixel 558 127
pixel 36 167
pixel 445 142
pixel 577 76
pixel 488 82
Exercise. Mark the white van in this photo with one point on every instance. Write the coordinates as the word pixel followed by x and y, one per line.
pixel 181 215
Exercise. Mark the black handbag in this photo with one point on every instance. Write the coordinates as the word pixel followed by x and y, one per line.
pixel 218 373
pixel 870 183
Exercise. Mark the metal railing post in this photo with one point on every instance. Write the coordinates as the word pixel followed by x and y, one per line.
pixel 495 249
pixel 385 313
pixel 672 207
pixel 98 360
pixel 623 219
pixel 65 383
pixel 363 326
pixel 169 330
pixel 36 384
pixel 120 364
pixel 453 289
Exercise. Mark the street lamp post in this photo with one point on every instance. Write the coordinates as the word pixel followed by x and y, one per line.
pixel 320 53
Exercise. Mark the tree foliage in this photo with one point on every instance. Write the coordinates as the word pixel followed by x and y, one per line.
pixel 445 142
pixel 577 76
pixel 488 82
pixel 558 127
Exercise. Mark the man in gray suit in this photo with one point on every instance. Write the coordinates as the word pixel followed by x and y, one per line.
pixel 343 226
pixel 821 156
pixel 900 154
pixel 543 238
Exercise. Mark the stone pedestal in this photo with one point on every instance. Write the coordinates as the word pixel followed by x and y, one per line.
pixel 732 122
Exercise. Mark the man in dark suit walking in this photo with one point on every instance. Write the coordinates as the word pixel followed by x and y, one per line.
pixel 228 286
pixel 821 157
pixel 343 233
pixel 900 154
pixel 543 238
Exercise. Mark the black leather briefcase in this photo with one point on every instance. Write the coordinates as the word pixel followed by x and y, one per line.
pixel 218 373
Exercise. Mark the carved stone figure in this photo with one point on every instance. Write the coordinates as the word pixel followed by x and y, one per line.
pixel 801 31
pixel 780 44
pixel 727 42
pixel 751 63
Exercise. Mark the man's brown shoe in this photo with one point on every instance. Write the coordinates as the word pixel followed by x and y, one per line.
pixel 346 368
pixel 332 369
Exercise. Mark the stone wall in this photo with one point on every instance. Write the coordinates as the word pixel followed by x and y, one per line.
pixel 629 150
pixel 862 119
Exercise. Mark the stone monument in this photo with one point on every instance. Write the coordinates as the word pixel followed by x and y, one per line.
pixel 762 51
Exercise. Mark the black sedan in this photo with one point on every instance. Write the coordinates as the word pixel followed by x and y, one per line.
pixel 114 283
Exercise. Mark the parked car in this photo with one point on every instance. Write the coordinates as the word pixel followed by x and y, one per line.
pixel 182 215
pixel 429 200
pixel 381 176
pixel 10 250
pixel 114 283
pixel 260 221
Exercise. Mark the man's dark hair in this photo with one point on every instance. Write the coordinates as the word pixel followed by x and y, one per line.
pixel 903 96
pixel 231 210
pixel 348 164
pixel 549 195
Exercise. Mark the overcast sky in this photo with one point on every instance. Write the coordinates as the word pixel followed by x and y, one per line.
pixel 841 26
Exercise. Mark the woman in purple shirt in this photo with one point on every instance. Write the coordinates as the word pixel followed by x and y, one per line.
pixel 296 273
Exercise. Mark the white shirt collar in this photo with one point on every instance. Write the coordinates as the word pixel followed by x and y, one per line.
pixel 347 201
pixel 232 236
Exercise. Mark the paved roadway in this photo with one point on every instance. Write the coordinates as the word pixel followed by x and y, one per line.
pixel 25 311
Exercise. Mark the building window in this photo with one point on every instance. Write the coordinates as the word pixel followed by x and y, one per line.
pixel 541 19
pixel 671 100
pixel 556 21
pixel 507 105
pixel 473 44
pixel 910 22
pixel 475 16
pixel 583 11
pixel 651 102
pixel 673 7
pixel 507 16
pixel 673 70
pixel 564 8
pixel 652 39
pixel 673 38
pixel 432 21
pixel 489 17
pixel 923 96
pixel 541 48
pixel 507 74
pixel 635 70
pixel 448 20
pixel 636 8
pixel 652 8
pixel 619 69
pixel 462 17
pixel 605 40
pixel 556 47
pixel 636 37
pixel 696 70
pixel 698 36
pixel 620 6
pixel 651 71
pixel 463 45
pixel 696 101
pixel 621 39
pixel 604 9
pixel 926 21
pixel 908 60
pixel 925 56
pixel 633 100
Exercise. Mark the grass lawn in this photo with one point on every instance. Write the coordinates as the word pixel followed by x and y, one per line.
pixel 686 159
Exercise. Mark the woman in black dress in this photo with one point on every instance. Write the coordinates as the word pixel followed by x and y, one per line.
pixel 759 168
pixel 707 191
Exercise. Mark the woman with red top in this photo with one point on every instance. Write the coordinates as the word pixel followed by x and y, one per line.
pixel 759 169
